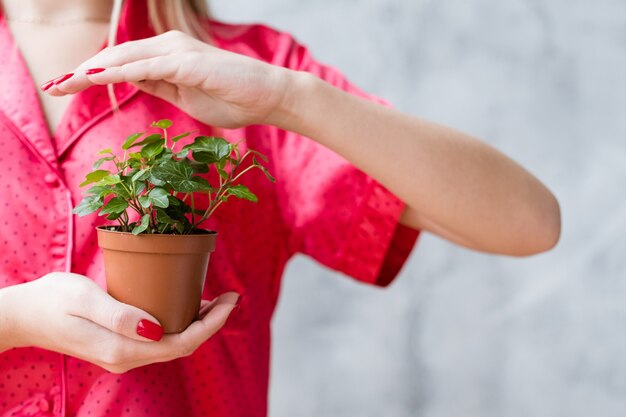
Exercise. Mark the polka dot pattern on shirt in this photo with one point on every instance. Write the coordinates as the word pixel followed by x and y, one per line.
pixel 320 206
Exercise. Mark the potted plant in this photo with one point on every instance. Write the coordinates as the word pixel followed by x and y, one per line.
pixel 156 256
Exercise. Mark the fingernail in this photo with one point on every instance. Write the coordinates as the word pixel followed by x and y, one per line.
pixel 62 78
pixel 150 330
pixel 47 85
pixel 94 71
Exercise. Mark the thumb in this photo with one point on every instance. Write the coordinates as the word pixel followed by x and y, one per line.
pixel 122 318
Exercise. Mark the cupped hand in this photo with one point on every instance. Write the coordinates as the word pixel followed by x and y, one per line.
pixel 70 314
pixel 214 86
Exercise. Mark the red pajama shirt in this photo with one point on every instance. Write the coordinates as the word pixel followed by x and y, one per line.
pixel 320 206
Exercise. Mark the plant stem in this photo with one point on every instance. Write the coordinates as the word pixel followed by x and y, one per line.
pixel 165 137
pixel 193 209
pixel 121 220
pixel 206 216
pixel 134 204
pixel 240 174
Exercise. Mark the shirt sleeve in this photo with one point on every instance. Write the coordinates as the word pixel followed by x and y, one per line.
pixel 335 213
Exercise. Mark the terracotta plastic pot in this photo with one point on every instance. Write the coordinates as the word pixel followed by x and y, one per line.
pixel 161 274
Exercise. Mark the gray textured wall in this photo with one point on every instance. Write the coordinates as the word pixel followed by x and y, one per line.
pixel 461 333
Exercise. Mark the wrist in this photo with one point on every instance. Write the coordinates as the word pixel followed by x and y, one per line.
pixel 299 91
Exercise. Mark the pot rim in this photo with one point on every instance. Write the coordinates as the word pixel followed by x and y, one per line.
pixel 103 228
pixel 156 243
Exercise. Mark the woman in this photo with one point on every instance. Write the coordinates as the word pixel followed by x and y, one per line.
pixel 356 181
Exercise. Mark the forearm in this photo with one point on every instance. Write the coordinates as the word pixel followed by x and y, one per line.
pixel 5 321
pixel 453 185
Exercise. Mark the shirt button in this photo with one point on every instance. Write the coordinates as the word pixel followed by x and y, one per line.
pixel 51 180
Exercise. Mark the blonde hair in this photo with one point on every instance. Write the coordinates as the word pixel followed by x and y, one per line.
pixel 188 16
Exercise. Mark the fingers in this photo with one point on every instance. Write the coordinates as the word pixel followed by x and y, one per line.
pixel 172 71
pixel 82 320
pixel 147 69
pixel 116 59
pixel 119 318
pixel 128 52
pixel 184 344
pixel 119 354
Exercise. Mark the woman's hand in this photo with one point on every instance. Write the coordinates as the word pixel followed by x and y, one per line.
pixel 214 86
pixel 70 314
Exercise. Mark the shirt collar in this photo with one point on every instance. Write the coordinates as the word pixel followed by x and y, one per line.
pixel 20 104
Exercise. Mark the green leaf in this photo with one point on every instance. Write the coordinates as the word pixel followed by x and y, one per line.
pixel 141 175
pixel 177 213
pixel 155 180
pixel 95 176
pixel 209 149
pixel 174 201
pixel 149 139
pixel 179 137
pixel 152 149
pixel 100 161
pixel 203 185
pixel 264 170
pixel 99 191
pixel 114 216
pixel 241 191
pixel 198 168
pixel 107 150
pixel 163 218
pixel 111 179
pixel 173 171
pixel 179 176
pixel 135 155
pixel 268 175
pixel 131 139
pixel 115 205
pixel 139 188
pixel 145 202
pixel 145 221
pixel 185 186
pixel 166 155
pixel 159 197
pixel 183 154
pixel 121 191
pixel 163 124
pixel 133 163
pixel 222 173
pixel 88 205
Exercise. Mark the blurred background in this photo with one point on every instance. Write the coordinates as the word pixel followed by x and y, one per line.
pixel 461 333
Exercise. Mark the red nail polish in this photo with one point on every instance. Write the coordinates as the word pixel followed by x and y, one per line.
pixel 62 78
pixel 150 330
pixel 237 306
pixel 47 85
pixel 94 71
